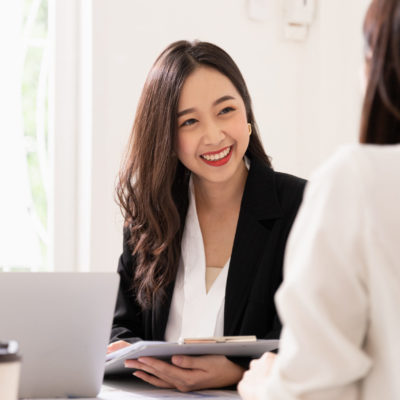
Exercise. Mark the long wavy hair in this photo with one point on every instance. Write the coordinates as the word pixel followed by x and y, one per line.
pixel 380 120
pixel 153 184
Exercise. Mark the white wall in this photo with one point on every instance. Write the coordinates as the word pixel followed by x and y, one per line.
pixel 306 95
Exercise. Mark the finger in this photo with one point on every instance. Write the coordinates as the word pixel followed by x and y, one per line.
pixel 153 380
pixel 246 376
pixel 260 369
pixel 258 363
pixel 260 359
pixel 150 374
pixel 166 371
pixel 253 364
pixel 247 386
pixel 268 356
pixel 241 385
pixel 140 366
pixel 186 362
pixel 269 363
pixel 201 363
pixel 243 389
pixel 133 364
pixel 120 344
pixel 264 360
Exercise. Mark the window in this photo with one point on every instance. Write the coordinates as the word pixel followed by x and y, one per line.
pixel 42 181
pixel 25 242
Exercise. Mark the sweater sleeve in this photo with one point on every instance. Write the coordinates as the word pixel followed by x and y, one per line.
pixel 323 300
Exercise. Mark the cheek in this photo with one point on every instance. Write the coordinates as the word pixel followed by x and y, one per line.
pixel 240 131
pixel 184 145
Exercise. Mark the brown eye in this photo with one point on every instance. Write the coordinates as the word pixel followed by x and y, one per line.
pixel 189 122
pixel 226 110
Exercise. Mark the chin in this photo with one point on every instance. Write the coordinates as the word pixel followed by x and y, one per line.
pixel 219 176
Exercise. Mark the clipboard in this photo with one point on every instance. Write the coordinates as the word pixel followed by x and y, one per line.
pixel 234 346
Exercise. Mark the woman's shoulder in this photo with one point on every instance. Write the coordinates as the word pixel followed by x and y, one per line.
pixel 282 180
pixel 289 182
pixel 358 162
pixel 282 190
pixel 361 174
pixel 289 189
pixel 339 164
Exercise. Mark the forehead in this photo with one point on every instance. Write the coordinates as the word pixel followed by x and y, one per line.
pixel 205 85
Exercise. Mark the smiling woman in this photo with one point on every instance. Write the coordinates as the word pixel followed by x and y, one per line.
pixel 206 218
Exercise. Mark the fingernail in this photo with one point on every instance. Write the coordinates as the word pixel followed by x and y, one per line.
pixel 177 360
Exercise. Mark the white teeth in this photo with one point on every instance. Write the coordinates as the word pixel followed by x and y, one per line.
pixel 218 156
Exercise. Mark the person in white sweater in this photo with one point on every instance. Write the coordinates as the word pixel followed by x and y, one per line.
pixel 340 298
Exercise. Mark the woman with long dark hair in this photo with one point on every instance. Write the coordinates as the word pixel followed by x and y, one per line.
pixel 340 298
pixel 206 218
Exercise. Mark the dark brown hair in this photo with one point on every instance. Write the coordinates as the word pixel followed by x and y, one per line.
pixel 380 120
pixel 153 184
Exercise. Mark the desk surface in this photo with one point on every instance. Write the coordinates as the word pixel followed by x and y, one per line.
pixel 131 388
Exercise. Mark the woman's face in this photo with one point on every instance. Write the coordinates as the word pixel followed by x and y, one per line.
pixel 213 134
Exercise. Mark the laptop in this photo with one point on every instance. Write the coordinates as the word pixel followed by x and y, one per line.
pixel 62 322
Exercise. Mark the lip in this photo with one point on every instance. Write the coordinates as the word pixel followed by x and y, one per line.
pixel 221 161
pixel 216 152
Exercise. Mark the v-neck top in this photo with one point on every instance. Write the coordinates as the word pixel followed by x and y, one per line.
pixel 194 312
pixel 211 275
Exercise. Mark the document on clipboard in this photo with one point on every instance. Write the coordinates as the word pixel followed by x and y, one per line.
pixel 234 346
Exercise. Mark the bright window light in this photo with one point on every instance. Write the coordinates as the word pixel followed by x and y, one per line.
pixel 24 134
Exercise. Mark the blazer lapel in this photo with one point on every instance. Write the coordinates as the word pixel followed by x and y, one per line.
pixel 259 205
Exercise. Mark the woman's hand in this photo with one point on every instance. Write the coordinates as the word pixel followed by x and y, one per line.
pixel 117 346
pixel 187 373
pixel 255 376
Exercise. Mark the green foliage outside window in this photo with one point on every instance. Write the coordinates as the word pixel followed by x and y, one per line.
pixel 32 84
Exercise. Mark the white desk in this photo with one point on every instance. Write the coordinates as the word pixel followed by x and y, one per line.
pixel 131 388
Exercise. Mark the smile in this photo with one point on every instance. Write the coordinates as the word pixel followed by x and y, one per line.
pixel 218 158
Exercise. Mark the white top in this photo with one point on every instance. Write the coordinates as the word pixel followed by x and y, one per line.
pixel 340 300
pixel 195 312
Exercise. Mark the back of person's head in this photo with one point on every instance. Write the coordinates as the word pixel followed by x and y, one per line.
pixel 380 122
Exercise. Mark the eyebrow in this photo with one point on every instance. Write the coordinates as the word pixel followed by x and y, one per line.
pixel 216 102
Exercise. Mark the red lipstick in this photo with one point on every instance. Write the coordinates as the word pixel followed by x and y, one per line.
pixel 219 162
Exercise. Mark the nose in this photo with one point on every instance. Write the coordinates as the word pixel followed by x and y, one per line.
pixel 213 133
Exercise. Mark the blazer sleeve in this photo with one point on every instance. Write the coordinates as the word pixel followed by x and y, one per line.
pixel 127 323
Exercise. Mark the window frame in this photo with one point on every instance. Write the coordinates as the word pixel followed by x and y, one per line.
pixel 70 144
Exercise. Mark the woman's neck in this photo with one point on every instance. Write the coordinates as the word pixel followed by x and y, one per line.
pixel 212 196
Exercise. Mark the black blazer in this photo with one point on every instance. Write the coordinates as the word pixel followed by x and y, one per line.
pixel 269 205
